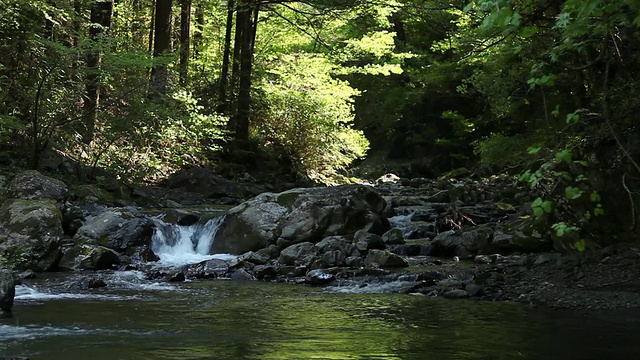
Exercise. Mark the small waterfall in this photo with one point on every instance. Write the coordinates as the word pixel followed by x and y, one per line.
pixel 179 244
pixel 402 222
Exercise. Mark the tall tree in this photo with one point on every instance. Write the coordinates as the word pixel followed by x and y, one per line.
pixel 101 11
pixel 224 74
pixel 161 44
pixel 185 38
pixel 246 27
pixel 198 34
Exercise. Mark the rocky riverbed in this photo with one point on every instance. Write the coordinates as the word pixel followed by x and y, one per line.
pixel 456 238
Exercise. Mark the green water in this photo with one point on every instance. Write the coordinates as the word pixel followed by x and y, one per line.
pixel 254 320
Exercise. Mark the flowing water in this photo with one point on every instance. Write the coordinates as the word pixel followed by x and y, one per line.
pixel 178 245
pixel 57 317
pixel 254 320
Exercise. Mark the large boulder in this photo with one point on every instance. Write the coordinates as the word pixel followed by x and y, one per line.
pixel 300 215
pixel 7 290
pixel 116 229
pixel 31 233
pixel 32 185
pixel 89 257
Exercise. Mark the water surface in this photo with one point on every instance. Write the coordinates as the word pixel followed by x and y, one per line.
pixel 254 320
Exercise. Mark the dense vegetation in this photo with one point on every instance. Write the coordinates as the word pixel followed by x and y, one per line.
pixel 542 89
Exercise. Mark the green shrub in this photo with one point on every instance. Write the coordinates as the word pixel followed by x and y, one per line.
pixel 310 114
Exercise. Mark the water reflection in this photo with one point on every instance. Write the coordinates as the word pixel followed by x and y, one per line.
pixel 230 320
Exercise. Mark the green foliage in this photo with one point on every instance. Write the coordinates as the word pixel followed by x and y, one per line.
pixel 11 257
pixel 310 113
pixel 501 150
pixel 571 209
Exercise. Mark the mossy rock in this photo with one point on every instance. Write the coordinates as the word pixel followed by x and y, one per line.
pixel 32 233
pixel 524 235
pixel 287 199
pixel 92 194
pixel 30 217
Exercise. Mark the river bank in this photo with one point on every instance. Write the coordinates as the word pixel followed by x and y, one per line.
pixel 444 238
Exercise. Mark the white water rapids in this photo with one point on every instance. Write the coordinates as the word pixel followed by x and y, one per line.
pixel 178 245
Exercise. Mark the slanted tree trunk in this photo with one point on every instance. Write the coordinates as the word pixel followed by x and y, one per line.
pixel 185 38
pixel 161 44
pixel 224 74
pixel 101 11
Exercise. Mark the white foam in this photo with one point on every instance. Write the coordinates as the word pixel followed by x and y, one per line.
pixel 401 220
pixel 371 288
pixel 28 293
pixel 30 332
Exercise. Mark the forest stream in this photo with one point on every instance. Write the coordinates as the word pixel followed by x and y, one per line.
pixel 57 317
pixel 138 319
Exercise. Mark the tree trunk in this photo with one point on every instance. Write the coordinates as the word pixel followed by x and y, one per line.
pixel 77 22
pixel 185 37
pixel 224 75
pixel 152 28
pixel 101 12
pixel 161 44
pixel 198 34
pixel 241 16
pixel 249 25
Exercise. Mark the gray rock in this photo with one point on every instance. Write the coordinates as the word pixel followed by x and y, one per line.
pixel 384 259
pixel 214 268
pixel 354 262
pixel 393 237
pixel 298 254
pixel 255 258
pixel 265 271
pixel 463 244
pixel 7 290
pixel 31 185
pixel 544 259
pixel 72 218
pixel 333 258
pixel 476 239
pixel 92 194
pixel 270 251
pixel 366 241
pixel 89 257
pixel 242 275
pixel 116 229
pixel 141 254
pixel 523 235
pixel 474 290
pixel 31 233
pixel 300 215
pixel 318 277
pixel 336 243
pixel 96 283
